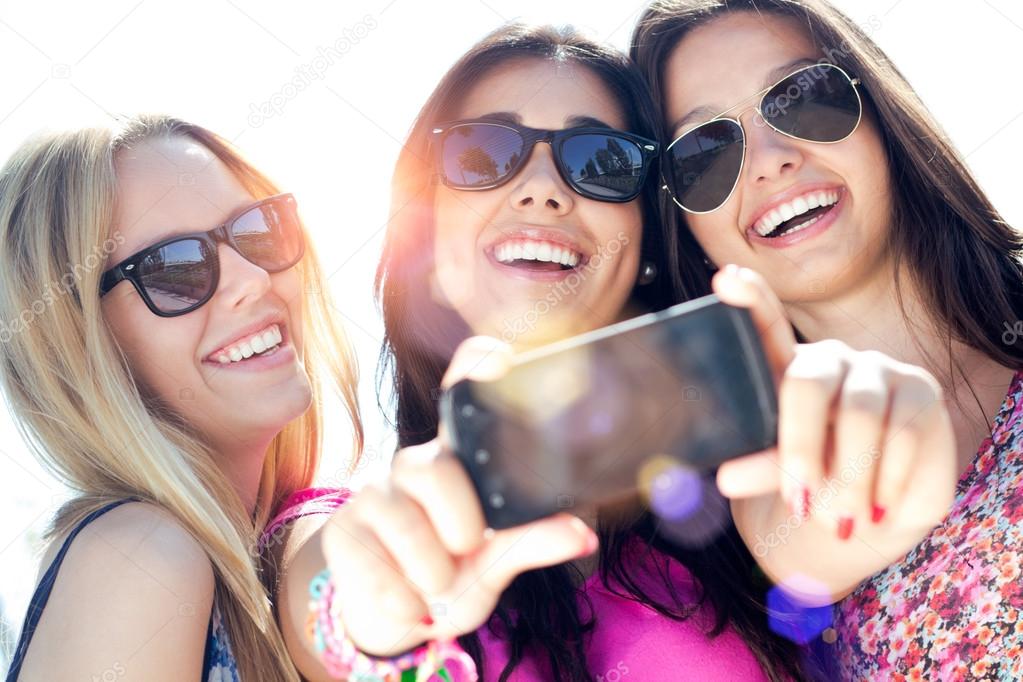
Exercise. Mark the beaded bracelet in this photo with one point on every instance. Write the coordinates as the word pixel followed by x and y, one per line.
pixel 435 661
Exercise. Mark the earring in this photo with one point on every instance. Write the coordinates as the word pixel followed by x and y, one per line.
pixel 647 273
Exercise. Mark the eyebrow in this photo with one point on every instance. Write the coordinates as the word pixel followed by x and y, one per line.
pixel 578 121
pixel 708 111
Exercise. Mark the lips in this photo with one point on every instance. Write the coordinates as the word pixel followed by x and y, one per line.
pixel 260 343
pixel 796 209
pixel 251 340
pixel 540 254
pixel 545 253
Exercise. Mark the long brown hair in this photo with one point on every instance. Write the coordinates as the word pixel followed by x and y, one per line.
pixel 420 338
pixel 963 257
pixel 78 403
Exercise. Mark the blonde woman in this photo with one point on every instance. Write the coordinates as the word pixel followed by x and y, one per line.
pixel 165 330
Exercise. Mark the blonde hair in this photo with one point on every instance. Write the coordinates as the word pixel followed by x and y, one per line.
pixel 74 395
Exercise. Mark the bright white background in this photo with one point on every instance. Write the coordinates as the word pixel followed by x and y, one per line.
pixel 335 141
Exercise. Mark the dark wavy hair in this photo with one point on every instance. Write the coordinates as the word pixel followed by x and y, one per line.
pixel 539 609
pixel 964 258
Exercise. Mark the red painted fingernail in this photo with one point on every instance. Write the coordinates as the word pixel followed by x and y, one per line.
pixel 427 620
pixel 845 526
pixel 877 513
pixel 805 503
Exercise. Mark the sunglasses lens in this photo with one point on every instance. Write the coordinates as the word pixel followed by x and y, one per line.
pixel 817 104
pixel 270 235
pixel 479 154
pixel 177 276
pixel 603 166
pixel 704 165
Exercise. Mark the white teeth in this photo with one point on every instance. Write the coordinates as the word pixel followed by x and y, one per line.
pixel 257 343
pixel 544 252
pixel 796 207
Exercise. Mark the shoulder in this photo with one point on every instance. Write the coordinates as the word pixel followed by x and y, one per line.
pixel 135 590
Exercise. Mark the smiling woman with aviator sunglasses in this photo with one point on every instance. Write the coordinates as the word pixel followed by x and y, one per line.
pixel 837 184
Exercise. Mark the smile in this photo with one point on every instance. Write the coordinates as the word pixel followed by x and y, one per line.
pixel 537 255
pixel 261 344
pixel 796 214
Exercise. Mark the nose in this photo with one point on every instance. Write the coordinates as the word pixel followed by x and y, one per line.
pixel 539 185
pixel 241 282
pixel 770 155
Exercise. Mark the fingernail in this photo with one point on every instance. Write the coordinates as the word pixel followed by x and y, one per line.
pixel 731 269
pixel 877 513
pixel 427 620
pixel 845 527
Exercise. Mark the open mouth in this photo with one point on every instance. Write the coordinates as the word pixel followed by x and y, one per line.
pixel 537 255
pixel 797 214
pixel 262 344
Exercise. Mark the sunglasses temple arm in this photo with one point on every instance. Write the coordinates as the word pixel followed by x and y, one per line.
pixel 111 278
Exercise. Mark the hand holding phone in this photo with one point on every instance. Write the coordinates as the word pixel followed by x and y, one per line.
pixel 574 423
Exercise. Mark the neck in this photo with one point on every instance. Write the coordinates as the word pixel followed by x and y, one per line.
pixel 871 318
pixel 242 463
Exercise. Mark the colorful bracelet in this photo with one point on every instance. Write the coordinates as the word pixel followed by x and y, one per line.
pixel 435 661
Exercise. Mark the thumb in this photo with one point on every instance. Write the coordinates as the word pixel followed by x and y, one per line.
pixel 482 358
pixel 745 288
pixel 547 542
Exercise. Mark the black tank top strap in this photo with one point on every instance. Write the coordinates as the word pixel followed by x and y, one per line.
pixel 42 593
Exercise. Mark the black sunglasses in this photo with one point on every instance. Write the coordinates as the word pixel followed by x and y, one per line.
pixel 180 274
pixel 818 103
pixel 599 163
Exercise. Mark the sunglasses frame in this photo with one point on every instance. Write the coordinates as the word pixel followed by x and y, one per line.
pixel 222 234
pixel 556 139
pixel 854 82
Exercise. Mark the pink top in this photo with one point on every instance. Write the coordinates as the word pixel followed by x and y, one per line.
pixel 633 642
pixel 629 640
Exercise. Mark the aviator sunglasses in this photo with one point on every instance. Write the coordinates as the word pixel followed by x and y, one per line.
pixel 599 163
pixel 819 103
pixel 180 274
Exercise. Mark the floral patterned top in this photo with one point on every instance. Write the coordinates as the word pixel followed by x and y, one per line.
pixel 950 610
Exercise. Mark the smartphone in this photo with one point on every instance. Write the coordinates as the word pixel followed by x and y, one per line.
pixel 574 423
